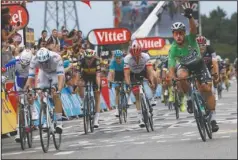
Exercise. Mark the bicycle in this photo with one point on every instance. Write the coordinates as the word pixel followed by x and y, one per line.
pixel 122 102
pixel 147 110
pixel 25 120
pixel 202 114
pixel 177 100
pixel 47 111
pixel 88 108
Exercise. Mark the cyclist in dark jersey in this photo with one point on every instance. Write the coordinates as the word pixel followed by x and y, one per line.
pixel 209 57
pixel 89 70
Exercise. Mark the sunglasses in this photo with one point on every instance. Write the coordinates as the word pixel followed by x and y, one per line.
pixel 176 33
pixel 202 45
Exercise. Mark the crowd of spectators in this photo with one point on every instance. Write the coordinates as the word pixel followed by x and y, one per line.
pixel 9 47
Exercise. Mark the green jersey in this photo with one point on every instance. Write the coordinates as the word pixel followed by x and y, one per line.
pixel 176 52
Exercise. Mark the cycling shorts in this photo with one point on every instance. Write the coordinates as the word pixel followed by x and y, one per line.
pixel 135 77
pixel 43 79
pixel 199 68
pixel 20 83
pixel 119 76
pixel 91 78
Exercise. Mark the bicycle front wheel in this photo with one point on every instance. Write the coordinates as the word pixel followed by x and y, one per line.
pixel 86 115
pixel 22 128
pixel 92 113
pixel 145 114
pixel 150 114
pixel 200 119
pixel 29 129
pixel 124 107
pixel 56 136
pixel 44 129
pixel 177 106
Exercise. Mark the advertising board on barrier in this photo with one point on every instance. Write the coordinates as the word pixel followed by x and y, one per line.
pixel 9 120
pixel 19 14
pixel 151 43
pixel 108 36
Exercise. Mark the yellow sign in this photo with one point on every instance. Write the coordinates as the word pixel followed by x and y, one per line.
pixel 9 120
pixel 163 51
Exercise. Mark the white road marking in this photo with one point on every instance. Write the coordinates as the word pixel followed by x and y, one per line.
pixel 138 142
pixel 14 153
pixel 186 139
pixel 64 153
pixel 161 141
pixel 225 136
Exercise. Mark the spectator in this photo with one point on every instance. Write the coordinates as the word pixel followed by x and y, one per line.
pixel 7 30
pixel 43 38
pixel 53 43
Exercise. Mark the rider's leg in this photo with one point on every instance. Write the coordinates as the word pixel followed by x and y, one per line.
pixel 97 107
pixel 205 88
pixel 185 88
pixel 58 106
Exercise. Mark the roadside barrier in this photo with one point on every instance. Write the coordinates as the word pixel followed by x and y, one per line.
pixel 72 105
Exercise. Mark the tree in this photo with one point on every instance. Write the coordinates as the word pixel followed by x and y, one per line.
pixel 221 31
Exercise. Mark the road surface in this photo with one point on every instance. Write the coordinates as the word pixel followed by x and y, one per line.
pixel 172 139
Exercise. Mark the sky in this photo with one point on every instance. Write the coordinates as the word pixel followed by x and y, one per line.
pixel 101 14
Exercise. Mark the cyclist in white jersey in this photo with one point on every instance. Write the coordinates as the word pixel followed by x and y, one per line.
pixel 137 64
pixel 50 66
pixel 21 65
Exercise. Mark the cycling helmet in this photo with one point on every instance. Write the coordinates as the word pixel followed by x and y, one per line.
pixel 43 55
pixel 135 48
pixel 178 26
pixel 201 40
pixel 118 53
pixel 25 57
pixel 89 53
pixel 218 58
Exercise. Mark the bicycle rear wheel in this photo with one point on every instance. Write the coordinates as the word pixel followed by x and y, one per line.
pixel 208 126
pixel 56 136
pixel 22 128
pixel 200 120
pixel 145 114
pixel 92 113
pixel 86 115
pixel 43 119
pixel 29 129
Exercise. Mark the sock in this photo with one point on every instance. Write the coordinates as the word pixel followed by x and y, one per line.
pixel 213 115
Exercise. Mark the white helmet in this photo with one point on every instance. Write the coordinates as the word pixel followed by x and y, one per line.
pixel 43 54
pixel 25 57
pixel 178 26
pixel 218 58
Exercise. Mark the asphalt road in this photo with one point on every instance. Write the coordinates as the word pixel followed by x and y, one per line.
pixel 172 139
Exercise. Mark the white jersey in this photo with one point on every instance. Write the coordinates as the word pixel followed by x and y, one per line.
pixel 130 63
pixel 55 65
pixel 19 70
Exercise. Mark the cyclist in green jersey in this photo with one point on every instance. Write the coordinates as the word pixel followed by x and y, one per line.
pixel 185 53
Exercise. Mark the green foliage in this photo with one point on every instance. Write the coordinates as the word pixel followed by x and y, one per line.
pixel 222 32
